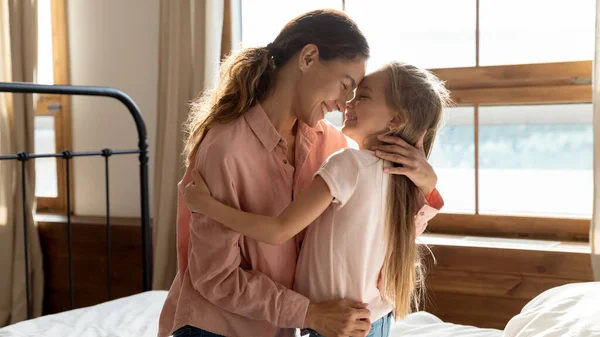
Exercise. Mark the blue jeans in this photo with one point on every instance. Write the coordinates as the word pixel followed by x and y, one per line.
pixel 191 331
pixel 381 327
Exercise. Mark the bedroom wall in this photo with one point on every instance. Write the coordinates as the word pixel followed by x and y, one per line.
pixel 112 43
pixel 487 286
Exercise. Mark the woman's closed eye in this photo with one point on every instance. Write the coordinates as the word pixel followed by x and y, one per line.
pixel 350 96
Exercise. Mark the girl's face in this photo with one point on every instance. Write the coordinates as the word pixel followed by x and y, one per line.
pixel 324 85
pixel 368 114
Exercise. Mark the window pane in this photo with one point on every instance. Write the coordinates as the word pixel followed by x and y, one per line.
pixel 536 160
pixel 45 60
pixel 45 168
pixel 263 19
pixel 536 31
pixel 426 33
pixel 336 118
pixel 453 158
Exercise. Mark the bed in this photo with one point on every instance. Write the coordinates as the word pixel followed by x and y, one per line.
pixel 137 315
pixel 569 310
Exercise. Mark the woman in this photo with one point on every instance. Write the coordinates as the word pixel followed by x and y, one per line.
pixel 257 140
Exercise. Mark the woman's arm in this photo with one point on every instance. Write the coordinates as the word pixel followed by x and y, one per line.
pixel 272 230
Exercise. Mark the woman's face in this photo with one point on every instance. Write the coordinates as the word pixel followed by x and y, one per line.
pixel 368 114
pixel 324 86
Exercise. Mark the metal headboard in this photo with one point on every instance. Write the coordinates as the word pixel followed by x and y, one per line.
pixel 142 150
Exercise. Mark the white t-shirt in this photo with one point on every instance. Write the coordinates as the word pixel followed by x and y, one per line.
pixel 344 249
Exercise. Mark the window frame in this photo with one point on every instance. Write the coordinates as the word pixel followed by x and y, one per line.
pixel 517 84
pixel 62 118
pixel 542 83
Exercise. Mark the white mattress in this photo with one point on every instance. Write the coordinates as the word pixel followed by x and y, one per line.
pixel 570 310
pixel 137 315
pixel 424 324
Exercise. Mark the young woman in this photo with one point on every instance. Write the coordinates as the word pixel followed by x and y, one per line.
pixel 362 244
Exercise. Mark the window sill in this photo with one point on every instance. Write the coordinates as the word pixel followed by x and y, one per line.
pixel 505 243
pixel 518 227
pixel 86 220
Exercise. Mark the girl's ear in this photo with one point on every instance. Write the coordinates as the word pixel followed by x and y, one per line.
pixel 397 122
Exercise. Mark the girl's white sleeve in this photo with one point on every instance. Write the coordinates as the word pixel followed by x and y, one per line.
pixel 340 173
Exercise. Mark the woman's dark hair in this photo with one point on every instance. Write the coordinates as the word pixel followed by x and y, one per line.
pixel 248 76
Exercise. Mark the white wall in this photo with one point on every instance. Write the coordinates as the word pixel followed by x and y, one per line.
pixel 112 43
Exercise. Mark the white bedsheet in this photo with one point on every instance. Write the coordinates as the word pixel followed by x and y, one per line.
pixel 570 310
pixel 135 315
pixel 424 324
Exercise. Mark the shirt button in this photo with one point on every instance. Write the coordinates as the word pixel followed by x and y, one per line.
pixel 422 213
pixel 285 161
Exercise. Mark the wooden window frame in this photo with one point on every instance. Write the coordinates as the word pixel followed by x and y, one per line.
pixel 62 118
pixel 545 83
pixel 520 84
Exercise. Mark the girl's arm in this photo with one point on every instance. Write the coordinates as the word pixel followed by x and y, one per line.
pixel 272 230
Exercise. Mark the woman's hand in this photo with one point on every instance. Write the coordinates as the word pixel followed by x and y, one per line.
pixel 196 193
pixel 412 158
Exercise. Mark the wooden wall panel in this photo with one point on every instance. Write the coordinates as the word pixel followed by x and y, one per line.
pixel 478 286
pixel 486 287
pixel 89 263
pixel 480 311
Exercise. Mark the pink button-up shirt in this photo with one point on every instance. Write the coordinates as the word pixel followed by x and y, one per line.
pixel 227 283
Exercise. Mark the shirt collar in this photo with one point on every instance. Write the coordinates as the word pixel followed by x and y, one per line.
pixel 262 127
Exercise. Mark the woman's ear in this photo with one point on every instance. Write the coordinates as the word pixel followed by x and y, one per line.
pixel 308 55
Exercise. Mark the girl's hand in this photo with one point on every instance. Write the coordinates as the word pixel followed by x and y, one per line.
pixel 412 158
pixel 196 193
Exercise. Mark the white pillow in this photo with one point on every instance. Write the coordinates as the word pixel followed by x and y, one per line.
pixel 569 310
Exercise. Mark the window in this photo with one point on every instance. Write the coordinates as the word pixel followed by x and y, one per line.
pixel 44 132
pixel 260 26
pixel 453 157
pixel 532 160
pixel 536 31
pixel 536 160
pixel 46 177
pixel 443 34
pixel 514 156
pixel 418 32
pixel 52 121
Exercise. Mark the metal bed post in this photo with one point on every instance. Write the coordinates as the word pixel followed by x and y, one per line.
pixel 23 157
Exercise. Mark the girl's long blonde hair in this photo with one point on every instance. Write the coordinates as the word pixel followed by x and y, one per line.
pixel 419 97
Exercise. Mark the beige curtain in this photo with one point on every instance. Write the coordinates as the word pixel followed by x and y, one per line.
pixel 595 228
pixel 18 58
pixel 194 36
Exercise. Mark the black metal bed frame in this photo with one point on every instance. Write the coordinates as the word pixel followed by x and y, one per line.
pixel 142 150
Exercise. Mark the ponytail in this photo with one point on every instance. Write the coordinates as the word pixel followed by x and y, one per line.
pixel 246 78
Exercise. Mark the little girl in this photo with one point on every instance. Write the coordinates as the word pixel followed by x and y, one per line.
pixel 361 245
